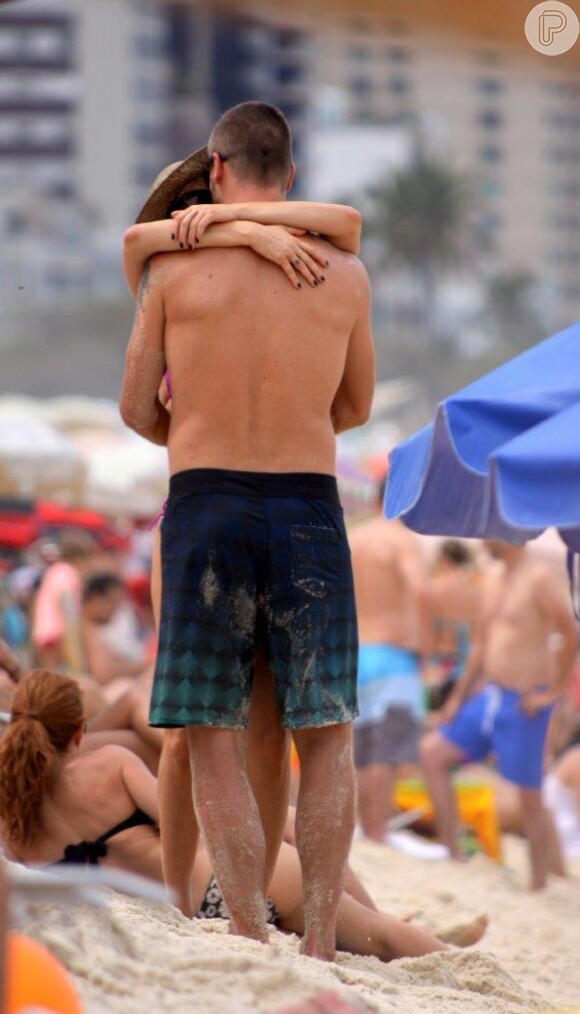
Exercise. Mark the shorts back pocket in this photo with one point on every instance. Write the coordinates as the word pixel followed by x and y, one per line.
pixel 315 559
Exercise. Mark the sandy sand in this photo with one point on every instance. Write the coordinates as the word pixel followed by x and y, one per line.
pixel 132 957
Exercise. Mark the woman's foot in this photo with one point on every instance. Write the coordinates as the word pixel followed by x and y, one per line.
pixel 464 934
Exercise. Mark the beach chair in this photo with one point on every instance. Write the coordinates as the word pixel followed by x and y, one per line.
pixel 476 805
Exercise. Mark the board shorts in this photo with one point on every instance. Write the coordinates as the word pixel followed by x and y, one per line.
pixel 492 721
pixel 390 697
pixel 254 560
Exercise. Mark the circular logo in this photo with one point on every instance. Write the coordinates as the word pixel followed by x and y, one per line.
pixel 552 28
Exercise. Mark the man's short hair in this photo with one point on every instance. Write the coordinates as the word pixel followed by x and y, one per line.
pixel 456 553
pixel 256 139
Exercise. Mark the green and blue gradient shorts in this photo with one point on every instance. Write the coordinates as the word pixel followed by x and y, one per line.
pixel 254 559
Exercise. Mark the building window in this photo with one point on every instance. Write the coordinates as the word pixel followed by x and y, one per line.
pixel 398 86
pixel 569 121
pixel 150 89
pixel 490 153
pixel 490 57
pixel 490 86
pixel 289 37
pixel 359 54
pixel 151 46
pixel 289 74
pixel 151 133
pixel 491 223
pixel 360 86
pixel 491 188
pixel 489 119
pixel 45 44
pixel 397 54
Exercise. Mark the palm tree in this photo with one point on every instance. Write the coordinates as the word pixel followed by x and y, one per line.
pixel 424 218
pixel 512 311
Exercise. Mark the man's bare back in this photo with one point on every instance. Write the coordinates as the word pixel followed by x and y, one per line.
pixel 388 574
pixel 254 364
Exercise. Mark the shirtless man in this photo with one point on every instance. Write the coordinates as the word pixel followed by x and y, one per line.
pixel 254 547
pixel 394 629
pixel 455 588
pixel 512 650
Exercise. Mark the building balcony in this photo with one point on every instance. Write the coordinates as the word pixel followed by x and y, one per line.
pixel 22 104
pixel 36 149
pixel 28 61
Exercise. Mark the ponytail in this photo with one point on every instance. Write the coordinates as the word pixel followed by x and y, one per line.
pixel 46 712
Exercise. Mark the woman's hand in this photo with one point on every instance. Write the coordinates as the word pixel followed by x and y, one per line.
pixel 191 223
pixel 298 256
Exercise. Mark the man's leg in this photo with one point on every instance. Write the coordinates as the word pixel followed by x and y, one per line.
pixel 437 757
pixel 538 830
pixel 231 825
pixel 177 822
pixel 556 860
pixel 268 761
pixel 376 784
pixel 325 818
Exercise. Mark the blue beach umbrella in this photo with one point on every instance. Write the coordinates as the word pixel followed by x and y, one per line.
pixel 502 458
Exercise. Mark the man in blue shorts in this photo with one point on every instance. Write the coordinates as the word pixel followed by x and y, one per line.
pixel 519 672
pixel 394 630
pixel 254 548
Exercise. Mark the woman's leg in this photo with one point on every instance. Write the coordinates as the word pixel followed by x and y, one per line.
pixel 268 761
pixel 360 930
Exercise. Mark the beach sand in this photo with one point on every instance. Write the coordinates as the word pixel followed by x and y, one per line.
pixel 133 957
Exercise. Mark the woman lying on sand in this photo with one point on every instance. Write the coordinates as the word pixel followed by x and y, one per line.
pixel 58 804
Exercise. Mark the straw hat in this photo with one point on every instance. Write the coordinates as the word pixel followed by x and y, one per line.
pixel 170 182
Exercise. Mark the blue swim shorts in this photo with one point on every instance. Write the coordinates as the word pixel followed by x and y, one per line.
pixel 254 560
pixel 493 722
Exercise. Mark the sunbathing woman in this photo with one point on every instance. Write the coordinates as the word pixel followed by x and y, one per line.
pixel 60 805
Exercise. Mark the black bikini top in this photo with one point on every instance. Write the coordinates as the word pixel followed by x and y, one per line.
pixel 89 852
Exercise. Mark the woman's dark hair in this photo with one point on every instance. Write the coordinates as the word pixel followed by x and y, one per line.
pixel 100 584
pixel 47 710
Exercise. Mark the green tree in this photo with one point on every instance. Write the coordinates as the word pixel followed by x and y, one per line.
pixel 511 313
pixel 425 218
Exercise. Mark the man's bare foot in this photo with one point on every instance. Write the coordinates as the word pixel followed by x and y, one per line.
pixel 464 934
pixel 316 946
pixel 255 932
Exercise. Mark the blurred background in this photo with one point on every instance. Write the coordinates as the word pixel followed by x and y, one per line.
pixel 457 140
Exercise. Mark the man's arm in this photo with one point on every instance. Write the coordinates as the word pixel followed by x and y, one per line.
pixel 139 405
pixel 353 400
pixel 556 607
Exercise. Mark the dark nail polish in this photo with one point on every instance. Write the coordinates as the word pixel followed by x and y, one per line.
pixel 299 285
pixel 323 278
pixel 181 245
pixel 327 264
pixel 172 235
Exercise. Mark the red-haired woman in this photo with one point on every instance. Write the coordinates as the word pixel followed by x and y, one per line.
pixel 60 805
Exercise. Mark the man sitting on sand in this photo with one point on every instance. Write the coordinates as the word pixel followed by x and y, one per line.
pixel 512 654
pixel 254 547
